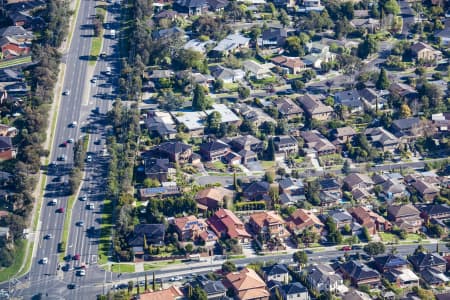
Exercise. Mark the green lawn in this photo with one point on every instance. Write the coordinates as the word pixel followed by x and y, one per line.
pixel 15 62
pixel 67 219
pixel 160 264
pixel 7 273
pixel 105 232
pixel 267 164
pixel 219 166
pixel 122 268
pixel 389 237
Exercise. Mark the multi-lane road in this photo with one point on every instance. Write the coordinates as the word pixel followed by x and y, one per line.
pixel 86 104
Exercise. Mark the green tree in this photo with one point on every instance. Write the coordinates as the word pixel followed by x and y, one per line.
pixel 346 167
pixel 391 7
pixel 243 92
pixel 367 47
pixel 270 151
pixel 383 81
pixel 189 247
pixel 300 257
pixel 405 111
pixel 198 294
pixel 228 267
pixel 284 18
pixel 213 122
pixel 374 248
pixel 199 101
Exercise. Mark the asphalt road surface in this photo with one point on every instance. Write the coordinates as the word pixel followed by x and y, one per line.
pixel 80 105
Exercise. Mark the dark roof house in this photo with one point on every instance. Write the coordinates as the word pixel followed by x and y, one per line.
pixel 154 234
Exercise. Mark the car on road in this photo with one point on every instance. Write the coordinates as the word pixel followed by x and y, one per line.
pixel 60 210
pixel 62 157
pixel 80 223
pixel 44 260
pixel 53 202
pixel 98 142
pixel 81 272
pixel 76 257
pixel 48 236
pixel 70 141
pixel 66 92
pixel 83 198
pixel 346 248
pixel 89 158
pixel 53 164
pixel 90 206
pixel 355 247
pixel 71 286
pixel 73 124
pixel 63 144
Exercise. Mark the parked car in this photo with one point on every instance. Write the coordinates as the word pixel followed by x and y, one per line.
pixel 346 248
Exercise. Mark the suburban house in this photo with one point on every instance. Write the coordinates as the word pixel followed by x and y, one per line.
pixel 232 43
pixel 350 99
pixel 425 53
pixel 406 217
pixel 166 190
pixel 287 108
pixel 409 127
pixel 403 91
pixel 154 236
pixel 247 285
pixel 302 219
pixel 403 277
pixel 171 293
pixel 273 37
pixel 314 108
pixel 6 130
pixel 294 291
pixel 257 70
pixel 256 190
pixel 214 288
pixel 160 124
pixel 434 277
pixel 392 189
pixel 192 7
pixel 176 152
pixel 438 212
pixel 227 75
pixel 291 186
pixel 247 142
pixel 277 272
pixel 425 190
pixel 160 169
pixel 381 138
pixel 341 217
pixel 373 99
pixel 168 33
pixel 422 261
pixel 444 35
pixel 285 144
pixel 225 223
pixel 291 65
pixel 388 262
pixel 189 228
pixel 359 274
pixel 214 150
pixel 373 221
pixel 11 48
pixel 358 180
pixel 212 198
pixel 17 33
pixel 342 135
pixel 316 142
pixel 269 225
pixel 323 278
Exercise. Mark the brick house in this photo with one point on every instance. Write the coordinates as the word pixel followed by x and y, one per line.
pixel 406 217
pixel 302 219
pixel 225 223
pixel 373 222
pixel 247 285
pixel 189 228
pixel 268 224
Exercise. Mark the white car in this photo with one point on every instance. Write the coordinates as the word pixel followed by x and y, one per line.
pixel 73 124
pixel 81 272
pixel 80 223
pixel 83 198
pixel 66 93
pixel 48 237
pixel 70 141
pixel 44 260
pixel 53 202
pixel 89 158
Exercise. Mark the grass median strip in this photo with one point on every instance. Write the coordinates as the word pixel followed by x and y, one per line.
pixel 160 264
pixel 105 232
pixel 67 219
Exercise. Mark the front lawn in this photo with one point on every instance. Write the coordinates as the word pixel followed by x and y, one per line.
pixel 122 268
pixel 267 164
pixel 160 264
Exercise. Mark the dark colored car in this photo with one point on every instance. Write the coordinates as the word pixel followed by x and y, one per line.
pixel 60 210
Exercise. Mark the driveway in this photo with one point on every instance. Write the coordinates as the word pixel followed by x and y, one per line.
pixel 255 166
